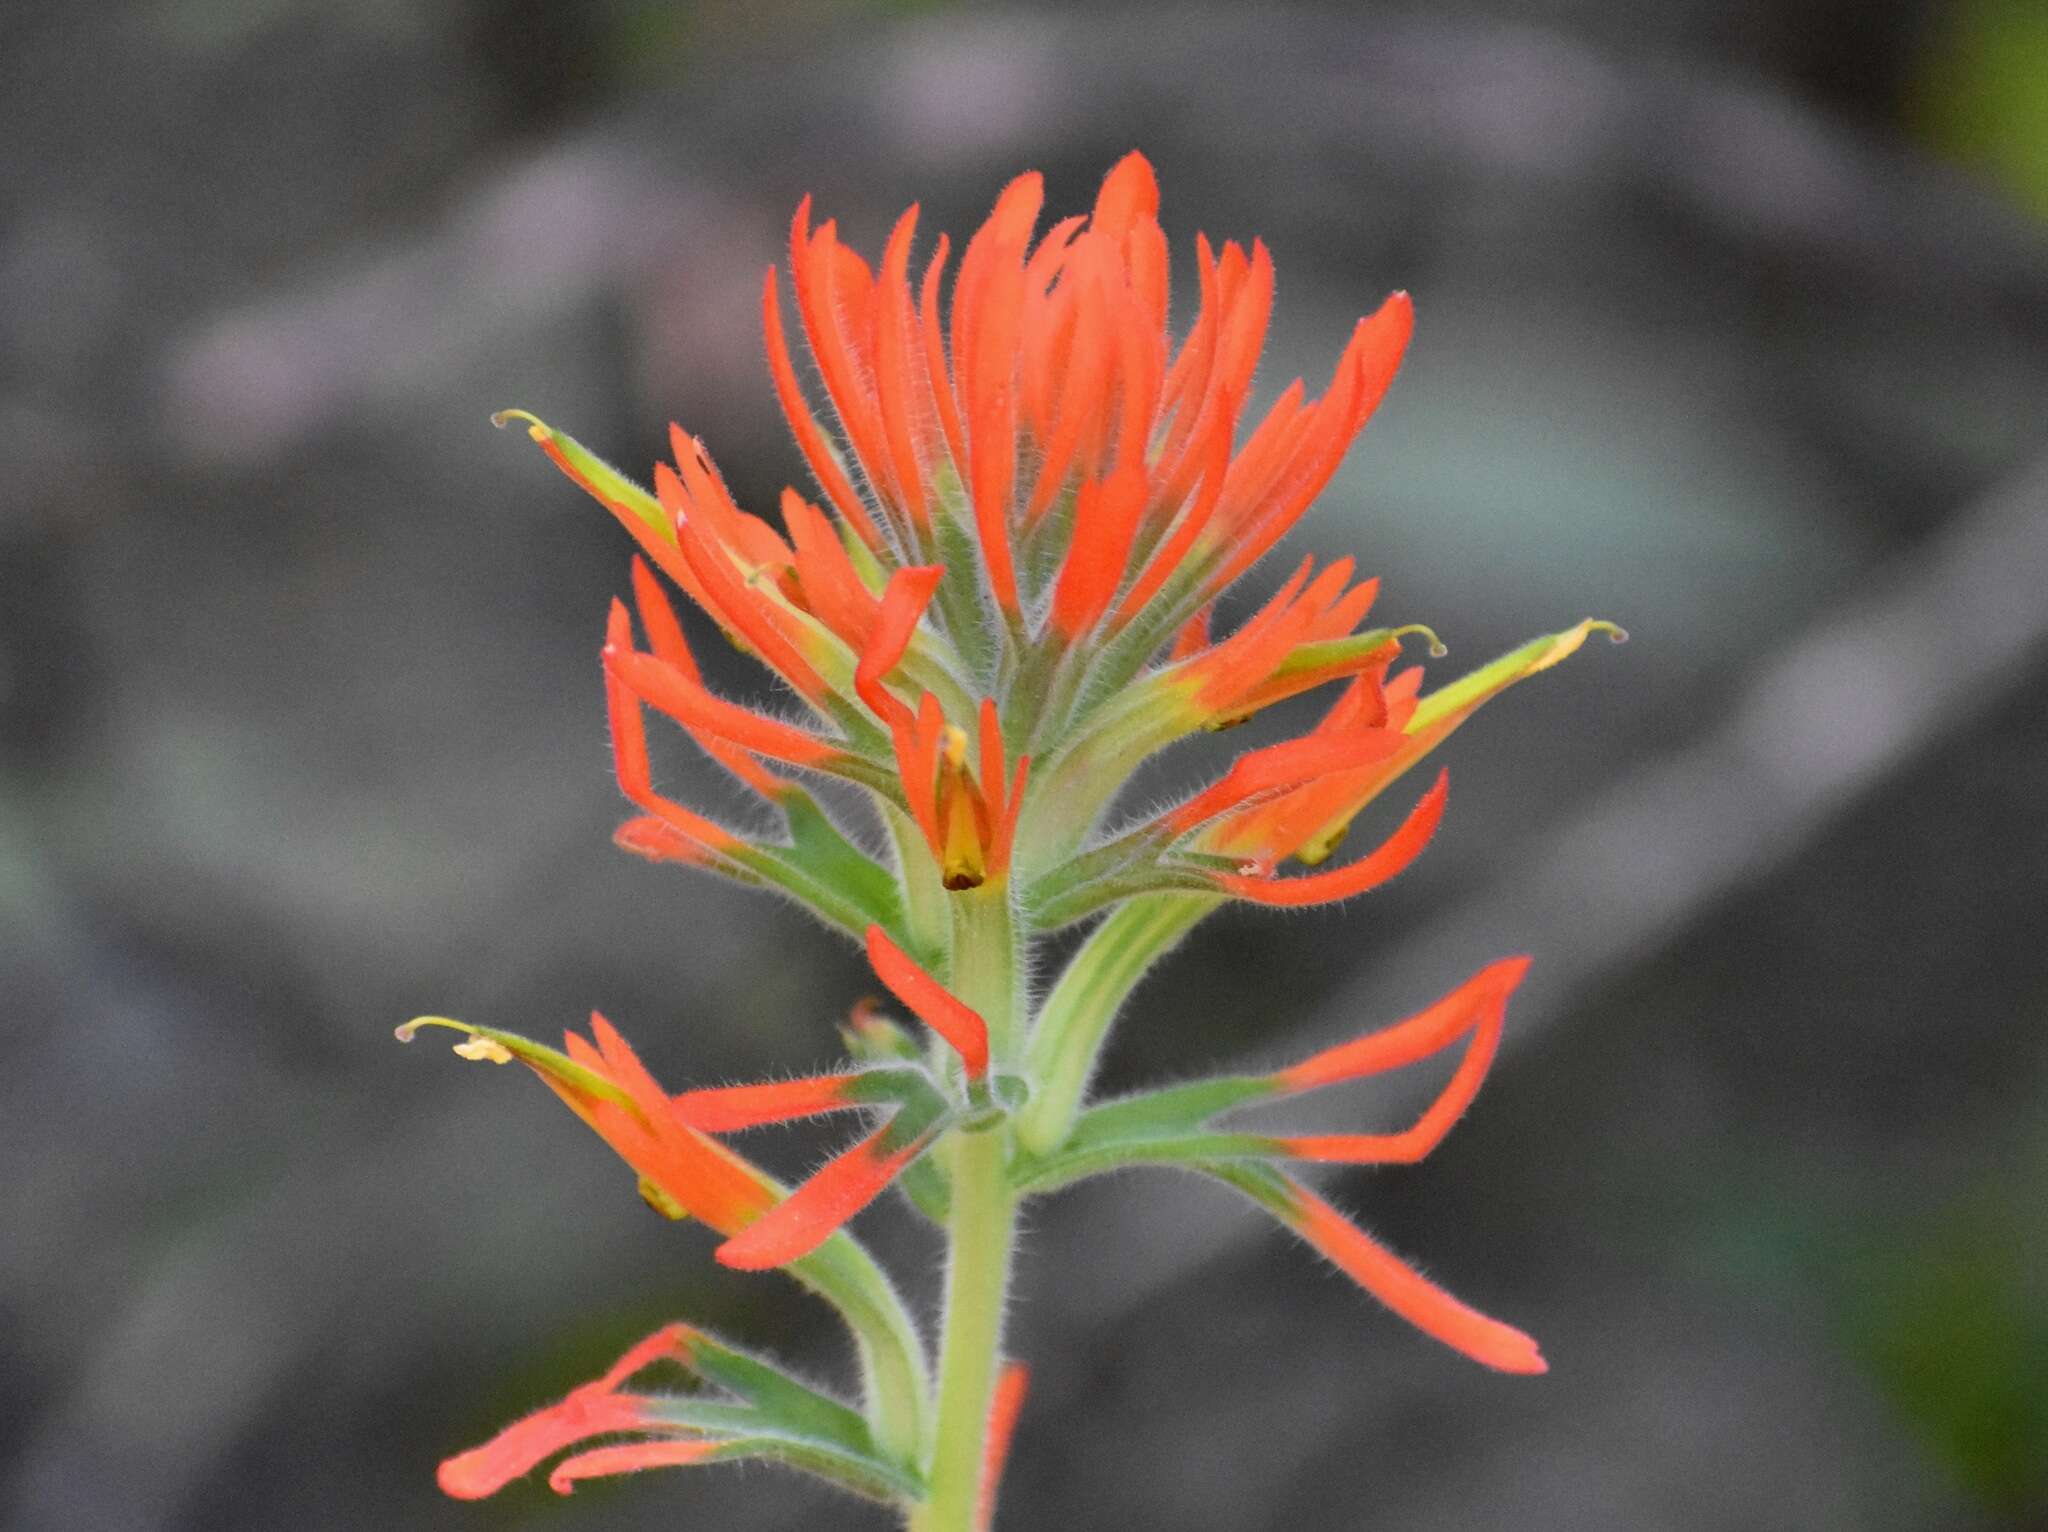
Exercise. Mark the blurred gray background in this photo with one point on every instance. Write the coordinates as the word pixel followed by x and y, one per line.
pixel 1733 326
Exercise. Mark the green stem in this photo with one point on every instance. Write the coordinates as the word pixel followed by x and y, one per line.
pixel 977 1282
pixel 981 1226
pixel 985 968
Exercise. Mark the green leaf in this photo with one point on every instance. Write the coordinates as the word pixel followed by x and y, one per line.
pixel 1077 1015
pixel 1193 1151
pixel 1333 654
pixel 1447 707
pixel 1175 1109
pixel 1268 1187
pixel 822 851
pixel 748 1434
pixel 596 476
pixel 1069 890
pixel 1187 873
pixel 908 1085
pixel 845 1275
pixel 927 1187
pixel 778 1399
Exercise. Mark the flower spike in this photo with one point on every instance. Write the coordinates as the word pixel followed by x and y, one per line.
pixel 736 574
pixel 831 281
pixel 672 831
pixel 1106 514
pixel 1363 376
pixel 822 578
pixel 988 303
pixel 822 1204
pixel 694 1172
pixel 1257 777
pixel 1032 499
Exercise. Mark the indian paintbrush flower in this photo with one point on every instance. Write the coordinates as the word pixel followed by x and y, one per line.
pixel 1031 501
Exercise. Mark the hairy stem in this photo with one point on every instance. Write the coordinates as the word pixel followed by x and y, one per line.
pixel 981 1226
pixel 977 1281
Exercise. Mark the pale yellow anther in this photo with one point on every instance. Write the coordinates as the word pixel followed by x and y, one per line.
pixel 475 1046
pixel 953 740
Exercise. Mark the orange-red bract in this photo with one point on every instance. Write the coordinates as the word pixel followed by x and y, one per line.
pixel 930 1001
pixel 596 1408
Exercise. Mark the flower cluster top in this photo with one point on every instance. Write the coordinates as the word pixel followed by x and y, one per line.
pixel 1029 501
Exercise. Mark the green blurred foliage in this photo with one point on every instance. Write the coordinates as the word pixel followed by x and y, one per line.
pixel 1948 1311
pixel 1983 96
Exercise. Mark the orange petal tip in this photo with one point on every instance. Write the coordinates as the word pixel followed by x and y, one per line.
pixel 626 1457
pixel 1411 1295
pixel 463 1478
